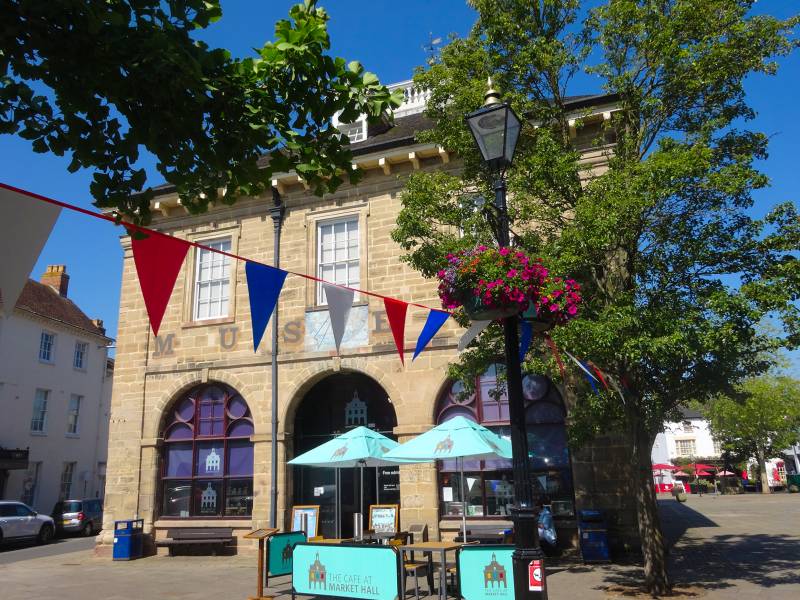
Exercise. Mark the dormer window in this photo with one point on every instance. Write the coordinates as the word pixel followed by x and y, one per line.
pixel 356 132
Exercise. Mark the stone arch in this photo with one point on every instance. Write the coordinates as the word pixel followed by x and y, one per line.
pixel 316 372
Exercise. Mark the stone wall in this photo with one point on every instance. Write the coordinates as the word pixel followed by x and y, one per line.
pixel 152 372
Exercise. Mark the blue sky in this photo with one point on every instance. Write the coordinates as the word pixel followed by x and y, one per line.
pixel 389 39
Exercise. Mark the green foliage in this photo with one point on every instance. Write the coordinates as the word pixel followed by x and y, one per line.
pixel 101 80
pixel 761 418
pixel 677 276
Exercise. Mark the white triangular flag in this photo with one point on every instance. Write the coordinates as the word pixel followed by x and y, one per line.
pixel 340 300
pixel 472 333
pixel 25 225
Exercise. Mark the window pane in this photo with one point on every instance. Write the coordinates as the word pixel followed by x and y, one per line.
pixel 237 408
pixel 208 497
pixel 179 460
pixel 179 431
pixel 240 458
pixel 499 495
pixel 210 460
pixel 242 428
pixel 177 498
pixel 239 498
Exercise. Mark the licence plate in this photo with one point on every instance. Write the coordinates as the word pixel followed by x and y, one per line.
pixel 67 522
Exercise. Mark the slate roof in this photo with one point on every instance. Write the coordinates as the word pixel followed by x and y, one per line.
pixel 42 300
pixel 403 131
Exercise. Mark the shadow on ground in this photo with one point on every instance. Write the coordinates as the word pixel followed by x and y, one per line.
pixel 712 562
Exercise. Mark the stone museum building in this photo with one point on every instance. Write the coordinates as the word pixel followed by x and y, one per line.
pixel 191 415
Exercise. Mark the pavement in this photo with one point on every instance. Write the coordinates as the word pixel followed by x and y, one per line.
pixel 742 547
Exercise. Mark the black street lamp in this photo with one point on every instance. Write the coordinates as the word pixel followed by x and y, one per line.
pixel 495 128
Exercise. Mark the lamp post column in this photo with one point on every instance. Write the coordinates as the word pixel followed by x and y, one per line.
pixel 276 212
pixel 529 571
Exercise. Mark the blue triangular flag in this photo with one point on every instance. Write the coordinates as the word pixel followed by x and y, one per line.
pixel 525 339
pixel 433 324
pixel 264 286
pixel 589 377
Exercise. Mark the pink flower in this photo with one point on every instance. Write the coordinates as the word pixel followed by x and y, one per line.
pixel 572 310
pixel 481 248
pixel 504 251
pixel 554 308
pixel 511 273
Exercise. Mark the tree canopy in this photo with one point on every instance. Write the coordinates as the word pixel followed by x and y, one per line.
pixel 761 420
pixel 678 274
pixel 101 81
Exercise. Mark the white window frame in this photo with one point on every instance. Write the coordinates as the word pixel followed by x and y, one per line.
pixel 41 420
pixel 350 281
pixel 67 476
pixel 74 414
pixel 226 261
pixel 50 359
pixel 693 447
pixel 82 351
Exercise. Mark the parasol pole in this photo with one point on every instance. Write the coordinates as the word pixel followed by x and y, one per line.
pixel 337 480
pixel 463 504
pixel 377 485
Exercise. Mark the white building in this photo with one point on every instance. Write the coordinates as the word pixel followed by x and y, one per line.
pixel 55 391
pixel 691 438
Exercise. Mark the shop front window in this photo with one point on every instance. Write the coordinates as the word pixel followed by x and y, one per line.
pixel 207 461
pixel 488 484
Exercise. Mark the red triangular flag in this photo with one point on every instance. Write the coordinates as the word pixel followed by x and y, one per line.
pixel 158 260
pixel 396 313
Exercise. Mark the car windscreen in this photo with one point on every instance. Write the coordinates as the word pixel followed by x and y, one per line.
pixel 70 507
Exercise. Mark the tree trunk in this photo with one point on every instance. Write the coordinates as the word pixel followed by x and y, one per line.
pixel 656 579
pixel 762 467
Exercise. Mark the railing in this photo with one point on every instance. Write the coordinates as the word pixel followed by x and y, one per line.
pixel 415 99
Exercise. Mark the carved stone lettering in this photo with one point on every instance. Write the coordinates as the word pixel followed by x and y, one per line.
pixel 381 324
pixel 227 337
pixel 164 345
pixel 292 331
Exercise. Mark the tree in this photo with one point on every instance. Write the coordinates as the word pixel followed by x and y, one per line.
pixel 761 419
pixel 103 80
pixel 677 274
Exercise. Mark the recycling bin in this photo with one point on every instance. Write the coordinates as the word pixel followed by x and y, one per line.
pixel 593 534
pixel 128 539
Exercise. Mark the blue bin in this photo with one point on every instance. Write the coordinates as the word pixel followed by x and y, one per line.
pixel 128 539
pixel 593 534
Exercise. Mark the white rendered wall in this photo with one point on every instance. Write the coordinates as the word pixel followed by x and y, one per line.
pixel 21 373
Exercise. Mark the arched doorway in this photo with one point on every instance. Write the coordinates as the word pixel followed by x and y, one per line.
pixel 340 402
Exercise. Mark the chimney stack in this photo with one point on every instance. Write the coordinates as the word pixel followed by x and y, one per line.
pixel 99 324
pixel 56 277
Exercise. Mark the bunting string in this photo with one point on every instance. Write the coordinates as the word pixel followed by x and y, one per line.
pixel 159 257
pixel 148 231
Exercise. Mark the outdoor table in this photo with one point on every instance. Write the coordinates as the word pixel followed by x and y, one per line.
pixel 429 548
pixel 333 540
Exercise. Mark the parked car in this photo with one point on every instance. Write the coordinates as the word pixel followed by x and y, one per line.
pixel 19 521
pixel 84 517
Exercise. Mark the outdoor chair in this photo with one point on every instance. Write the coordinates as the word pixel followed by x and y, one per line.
pixel 414 568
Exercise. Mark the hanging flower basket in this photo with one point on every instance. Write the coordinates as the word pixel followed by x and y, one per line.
pixel 477 311
pixel 494 283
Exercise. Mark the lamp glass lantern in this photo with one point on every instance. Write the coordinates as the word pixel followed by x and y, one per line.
pixel 495 128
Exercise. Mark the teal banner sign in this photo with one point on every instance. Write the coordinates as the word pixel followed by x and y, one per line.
pixel 486 572
pixel 279 552
pixel 365 572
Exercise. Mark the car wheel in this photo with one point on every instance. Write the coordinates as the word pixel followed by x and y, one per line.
pixel 45 534
pixel 88 530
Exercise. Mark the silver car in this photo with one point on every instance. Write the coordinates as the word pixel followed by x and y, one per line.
pixel 84 517
pixel 19 522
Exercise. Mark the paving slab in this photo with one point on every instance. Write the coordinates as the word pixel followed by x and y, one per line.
pixel 741 547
